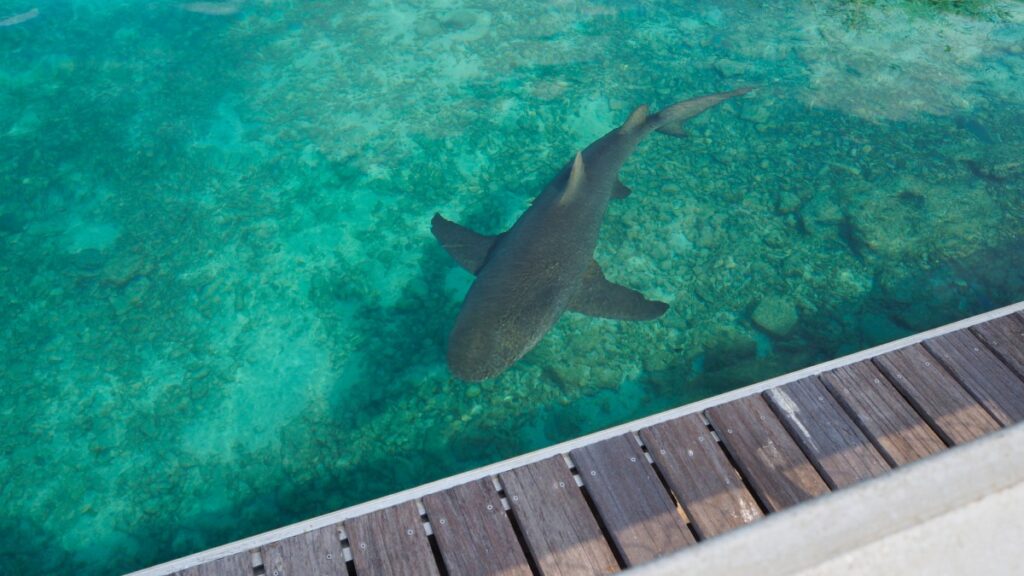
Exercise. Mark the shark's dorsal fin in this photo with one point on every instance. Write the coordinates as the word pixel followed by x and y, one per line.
pixel 636 118
pixel 574 184
pixel 599 297
pixel 620 190
pixel 467 247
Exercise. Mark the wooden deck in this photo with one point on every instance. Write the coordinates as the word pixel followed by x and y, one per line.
pixel 623 497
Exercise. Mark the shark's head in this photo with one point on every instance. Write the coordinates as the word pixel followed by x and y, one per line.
pixel 483 346
pixel 479 354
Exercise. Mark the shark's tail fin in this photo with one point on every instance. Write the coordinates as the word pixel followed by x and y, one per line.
pixel 670 120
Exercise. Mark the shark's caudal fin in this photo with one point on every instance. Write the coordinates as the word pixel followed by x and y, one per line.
pixel 670 120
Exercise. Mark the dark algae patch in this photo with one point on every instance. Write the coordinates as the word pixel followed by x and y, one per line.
pixel 222 310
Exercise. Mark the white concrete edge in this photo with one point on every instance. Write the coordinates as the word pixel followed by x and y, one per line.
pixel 810 534
pixel 562 448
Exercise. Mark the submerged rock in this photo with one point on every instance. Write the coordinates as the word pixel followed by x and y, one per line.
pixel 999 165
pixel 728 68
pixel 728 346
pixel 123 270
pixel 756 113
pixel 88 262
pixel 787 202
pixel 463 25
pixel 821 216
pixel 917 220
pixel 459 20
pixel 136 289
pixel 776 314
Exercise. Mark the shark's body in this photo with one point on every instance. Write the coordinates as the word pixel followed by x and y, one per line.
pixel 544 265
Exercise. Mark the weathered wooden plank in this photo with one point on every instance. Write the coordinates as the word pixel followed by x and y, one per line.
pixel 767 456
pixel 1005 335
pixel 637 512
pixel 560 531
pixel 473 533
pixel 982 374
pixel 315 552
pixel 945 405
pixel 697 470
pixel 391 541
pixel 833 442
pixel 236 565
pixel 884 416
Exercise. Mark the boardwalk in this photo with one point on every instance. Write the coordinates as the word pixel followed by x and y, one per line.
pixel 626 496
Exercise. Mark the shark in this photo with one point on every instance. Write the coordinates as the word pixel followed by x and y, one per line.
pixel 543 266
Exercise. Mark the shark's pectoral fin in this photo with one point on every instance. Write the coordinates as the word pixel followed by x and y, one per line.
pixel 467 247
pixel 620 190
pixel 599 297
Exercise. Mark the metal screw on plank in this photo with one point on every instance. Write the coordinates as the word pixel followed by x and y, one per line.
pixel 330 556
pixel 362 545
pixel 632 458
pixel 561 484
pixel 409 531
pixel 443 521
pixel 515 498
pixel 593 472
pixel 662 451
pixel 877 381
pixel 490 507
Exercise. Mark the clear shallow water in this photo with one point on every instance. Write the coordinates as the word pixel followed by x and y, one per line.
pixel 222 310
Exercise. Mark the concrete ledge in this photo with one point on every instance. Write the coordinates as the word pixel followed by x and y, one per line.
pixel 959 512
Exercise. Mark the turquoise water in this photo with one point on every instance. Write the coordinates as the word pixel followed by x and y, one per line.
pixel 223 311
